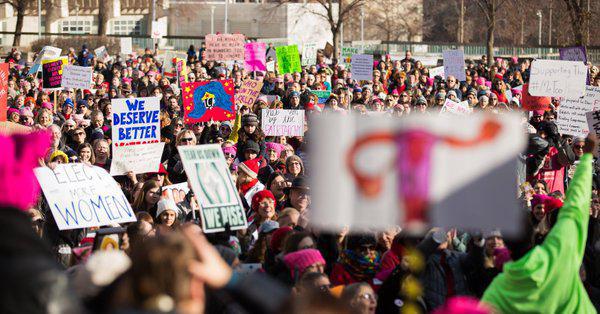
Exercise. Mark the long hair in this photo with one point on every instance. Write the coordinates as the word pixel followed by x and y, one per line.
pixel 258 136
pixel 92 156
pixel 139 204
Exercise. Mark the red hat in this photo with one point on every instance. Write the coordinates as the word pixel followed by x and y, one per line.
pixel 250 167
pixel 161 170
pixel 300 260
pixel 277 238
pixel 259 197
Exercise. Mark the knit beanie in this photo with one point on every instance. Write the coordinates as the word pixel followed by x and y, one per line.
pixel 259 197
pixel 164 205
pixel 249 119
pixel 253 146
pixel 300 260
pixel 550 203
pixel 277 238
pixel 278 148
pixel 250 167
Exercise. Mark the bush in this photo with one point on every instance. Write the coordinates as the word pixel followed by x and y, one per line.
pixel 65 42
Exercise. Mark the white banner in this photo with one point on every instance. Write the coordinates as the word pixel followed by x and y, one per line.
pixel 282 122
pixel 137 158
pixel 454 64
pixel 362 67
pixel 557 78
pixel 102 54
pixel 77 77
pixel 135 121
pixel 82 196
pixel 571 118
pixel 126 45
pixel 309 54
pixel 433 72
pixel 457 108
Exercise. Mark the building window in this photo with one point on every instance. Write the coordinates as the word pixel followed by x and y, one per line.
pixel 74 26
pixel 127 27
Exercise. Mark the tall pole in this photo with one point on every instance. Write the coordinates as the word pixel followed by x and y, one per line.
pixel 39 19
pixel 550 25
pixel 341 36
pixel 362 24
pixel 212 19
pixel 539 15
pixel 153 10
pixel 226 15
pixel 461 26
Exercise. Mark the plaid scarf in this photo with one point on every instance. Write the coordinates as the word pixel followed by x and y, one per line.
pixel 360 267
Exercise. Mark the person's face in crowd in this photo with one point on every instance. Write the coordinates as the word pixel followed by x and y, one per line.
pixel 452 97
pixel 483 102
pixel 451 82
pixel 67 110
pixel 250 154
pixel 45 119
pixel 79 136
pixel 296 87
pixel 85 154
pixel 187 139
pixel 539 188
pixel 197 128
pixel 398 111
pixel 101 151
pixel 377 106
pixel 578 148
pixel 159 177
pixel 279 85
pixel 152 196
pixel 249 128
pixel 296 76
pixel 178 127
pixel 225 131
pixel 492 243
pixel 289 220
pixel 266 208
pixel 365 301
pixel 357 95
pixel 385 238
pixel 272 154
pixel 174 105
pixel 168 217
pixel 14 117
pixel 549 118
pixel 69 125
pixel 404 98
pixel 242 178
pixel 537 117
pixel 157 93
pixel 472 99
pixel 366 93
pixel 299 199
pixel 421 107
pixel 229 157
pixel 277 186
pixel 311 80
pixel 538 212
pixel 98 120
pixel 55 134
pixel 192 77
pixel 295 168
pixel 295 101
pixel 595 207
pixel 493 100
pixel 315 268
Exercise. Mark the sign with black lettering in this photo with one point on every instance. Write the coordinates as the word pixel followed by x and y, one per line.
pixel 82 196
pixel 213 187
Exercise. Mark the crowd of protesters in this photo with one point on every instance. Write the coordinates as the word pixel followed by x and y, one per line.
pixel 280 263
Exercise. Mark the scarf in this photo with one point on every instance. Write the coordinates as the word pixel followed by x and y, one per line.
pixel 360 267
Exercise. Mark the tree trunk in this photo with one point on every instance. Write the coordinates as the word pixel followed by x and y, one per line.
pixel 490 31
pixel 336 35
pixel 19 26
pixel 104 10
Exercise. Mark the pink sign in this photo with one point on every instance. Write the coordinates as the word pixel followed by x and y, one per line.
pixel 225 47
pixel 254 58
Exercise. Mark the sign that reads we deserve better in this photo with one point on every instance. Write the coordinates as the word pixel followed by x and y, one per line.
pixel 82 196
pixel 135 120
pixel 283 122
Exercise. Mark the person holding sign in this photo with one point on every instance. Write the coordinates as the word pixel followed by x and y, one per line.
pixel 250 130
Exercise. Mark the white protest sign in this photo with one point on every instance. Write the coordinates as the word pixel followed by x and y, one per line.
pixel 159 30
pixel 270 66
pixel 141 158
pixel 458 108
pixel 102 54
pixel 427 60
pixel 365 180
pixel 557 78
pixel 209 176
pixel 282 122
pixel 47 52
pixel 454 64
pixel 571 119
pixel 593 120
pixel 135 121
pixel 439 71
pixel 309 54
pixel 362 67
pixel 82 196
pixel 126 45
pixel 77 77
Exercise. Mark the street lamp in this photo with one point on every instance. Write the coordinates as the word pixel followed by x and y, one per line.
pixel 226 15
pixel 212 19
pixel 539 15
pixel 362 24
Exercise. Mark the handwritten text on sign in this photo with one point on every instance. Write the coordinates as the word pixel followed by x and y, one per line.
pixel 82 196
pixel 362 67
pixel 225 47
pixel 454 64
pixel 52 71
pixel 77 77
pixel 571 113
pixel 557 78
pixel 248 92
pixel 282 122
pixel 137 158
pixel 136 121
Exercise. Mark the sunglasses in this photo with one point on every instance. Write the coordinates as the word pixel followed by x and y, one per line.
pixel 186 139
pixel 229 155
pixel 179 125
pixel 578 146
pixel 78 133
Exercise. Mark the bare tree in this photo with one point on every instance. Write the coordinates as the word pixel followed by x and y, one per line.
pixel 578 16
pixel 490 9
pixel 104 9
pixel 19 7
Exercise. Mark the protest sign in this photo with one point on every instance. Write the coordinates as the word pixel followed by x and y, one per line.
pixel 254 57
pixel 328 50
pixel 209 176
pixel 178 193
pixel 248 93
pixel 82 196
pixel 126 45
pixel 427 60
pixel 323 95
pixel 74 76
pixel 573 54
pixel 454 64
pixel 52 71
pixel 282 122
pixel 225 47
pixel 159 30
pixel 457 108
pixel 47 52
pixel 438 71
pixel 135 121
pixel 288 59
pixel 365 180
pixel 571 118
pixel 270 66
pixel 3 91
pixel 362 67
pixel 102 54
pixel 557 78
pixel 206 101
pixel 593 120
pixel 271 98
pixel 309 54
pixel 532 102
pixel 141 158
pixel 347 53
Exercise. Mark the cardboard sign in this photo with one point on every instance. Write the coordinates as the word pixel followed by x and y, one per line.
pixel 52 71
pixel 206 101
pixel 593 120
pixel 439 71
pixel 169 59
pixel 323 95
pixel 3 91
pixel 254 57
pixel 249 91
pixel 82 196
pixel 309 54
pixel 282 122
pixel 209 176
pixel 557 78
pixel 454 64
pixel 347 53
pixel 531 103
pixel 362 67
pixel 126 45
pixel 365 180
pixel 225 47
pixel 74 76
pixel 137 158
pixel 159 30
pixel 47 52
pixel 573 54
pixel 288 59
pixel 457 108
pixel 135 121
pixel 571 117
pixel 102 54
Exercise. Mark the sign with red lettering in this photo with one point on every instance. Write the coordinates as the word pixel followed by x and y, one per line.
pixel 3 90
pixel 283 122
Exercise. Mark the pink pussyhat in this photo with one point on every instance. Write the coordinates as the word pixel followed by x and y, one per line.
pixel 463 305
pixel 20 155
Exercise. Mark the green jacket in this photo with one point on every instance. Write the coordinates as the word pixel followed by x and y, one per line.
pixel 546 279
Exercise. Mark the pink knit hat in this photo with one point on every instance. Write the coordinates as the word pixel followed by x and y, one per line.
pixel 301 260
pixel 463 305
pixel 278 148
pixel 20 155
